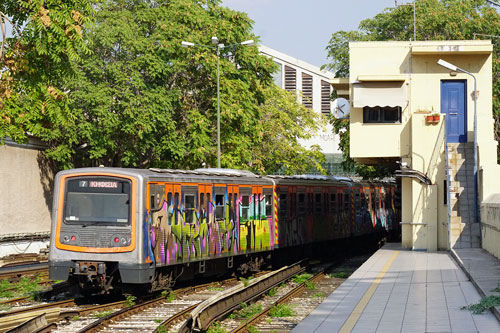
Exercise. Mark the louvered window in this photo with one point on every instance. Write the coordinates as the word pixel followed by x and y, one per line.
pixel 325 98
pixel 307 90
pixel 290 78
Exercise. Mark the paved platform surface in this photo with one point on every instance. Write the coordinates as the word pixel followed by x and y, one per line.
pixel 404 291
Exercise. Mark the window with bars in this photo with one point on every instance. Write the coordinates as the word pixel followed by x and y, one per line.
pixel 307 90
pixel 290 78
pixel 325 97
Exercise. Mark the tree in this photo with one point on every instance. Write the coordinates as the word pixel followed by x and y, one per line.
pixel 435 20
pixel 276 145
pixel 142 100
pixel 47 38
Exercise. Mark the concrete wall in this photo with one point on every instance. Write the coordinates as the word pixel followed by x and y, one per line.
pixel 490 224
pixel 26 185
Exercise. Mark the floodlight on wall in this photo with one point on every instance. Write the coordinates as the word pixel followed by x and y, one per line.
pixel 447 65
pixel 215 40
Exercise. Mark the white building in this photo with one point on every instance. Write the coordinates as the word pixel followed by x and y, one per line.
pixel 313 88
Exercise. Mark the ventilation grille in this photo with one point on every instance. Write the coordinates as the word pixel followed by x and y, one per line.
pixel 307 90
pixel 290 78
pixel 325 97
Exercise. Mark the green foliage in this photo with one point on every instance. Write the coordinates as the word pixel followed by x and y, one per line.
pixel 161 329
pixel 5 307
pixel 248 311
pixel 75 318
pixel 47 39
pixel 215 288
pixel 318 295
pixel 310 285
pixel 284 122
pixel 245 281
pixel 216 328
pixel 272 292
pixel 4 286
pixel 301 278
pixel 158 321
pixel 130 301
pixel 102 314
pixel 121 91
pixel 341 275
pixel 170 296
pixel 483 305
pixel 252 329
pixel 436 20
pixel 497 289
pixel 281 310
pixel 26 286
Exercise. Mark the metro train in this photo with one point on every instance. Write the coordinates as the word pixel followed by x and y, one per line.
pixel 117 228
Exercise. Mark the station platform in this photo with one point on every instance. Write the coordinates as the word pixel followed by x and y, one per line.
pixel 398 290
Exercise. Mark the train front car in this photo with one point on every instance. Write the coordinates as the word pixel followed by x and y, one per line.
pixel 94 225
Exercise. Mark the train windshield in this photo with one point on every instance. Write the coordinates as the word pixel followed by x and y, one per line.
pixel 97 200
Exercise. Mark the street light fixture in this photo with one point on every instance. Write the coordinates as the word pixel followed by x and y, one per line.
pixel 218 47
pixel 458 69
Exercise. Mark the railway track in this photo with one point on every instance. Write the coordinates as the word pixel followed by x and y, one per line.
pixel 15 273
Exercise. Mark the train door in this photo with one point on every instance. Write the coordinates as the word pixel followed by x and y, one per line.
pixel 333 221
pixel 205 218
pixel 261 239
pixel 301 213
pixel 268 198
pixel 231 224
pixel 158 221
pixel 245 225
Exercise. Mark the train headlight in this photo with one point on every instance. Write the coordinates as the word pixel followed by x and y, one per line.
pixel 120 240
pixel 70 238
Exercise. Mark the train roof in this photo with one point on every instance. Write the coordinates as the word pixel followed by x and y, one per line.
pixel 217 175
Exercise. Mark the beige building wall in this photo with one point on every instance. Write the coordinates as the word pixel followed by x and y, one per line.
pixel 422 145
pixel 25 189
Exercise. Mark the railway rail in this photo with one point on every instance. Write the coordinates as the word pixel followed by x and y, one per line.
pixel 223 303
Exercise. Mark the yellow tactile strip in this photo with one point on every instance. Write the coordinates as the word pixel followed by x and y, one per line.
pixel 360 307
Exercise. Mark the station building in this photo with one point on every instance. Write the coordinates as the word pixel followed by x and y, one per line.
pixel 313 89
pixel 408 109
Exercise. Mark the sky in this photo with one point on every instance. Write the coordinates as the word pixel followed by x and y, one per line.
pixel 302 28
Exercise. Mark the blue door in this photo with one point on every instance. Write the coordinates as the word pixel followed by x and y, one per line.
pixel 454 105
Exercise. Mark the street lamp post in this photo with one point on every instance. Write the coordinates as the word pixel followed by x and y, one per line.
pixel 217 47
pixel 455 68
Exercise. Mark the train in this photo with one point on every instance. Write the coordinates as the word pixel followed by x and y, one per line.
pixel 121 228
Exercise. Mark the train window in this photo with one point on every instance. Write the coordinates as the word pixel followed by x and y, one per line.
pixel 235 206
pixel 325 203
pixel 333 202
pixel 283 206
pixel 230 205
pixel 189 207
pixel 269 204
pixel 244 207
pixel 207 206
pixel 202 206
pixel 317 203
pixel 302 202
pixel 97 200
pixel 219 206
pixel 170 207
pixel 152 202
pixel 176 208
